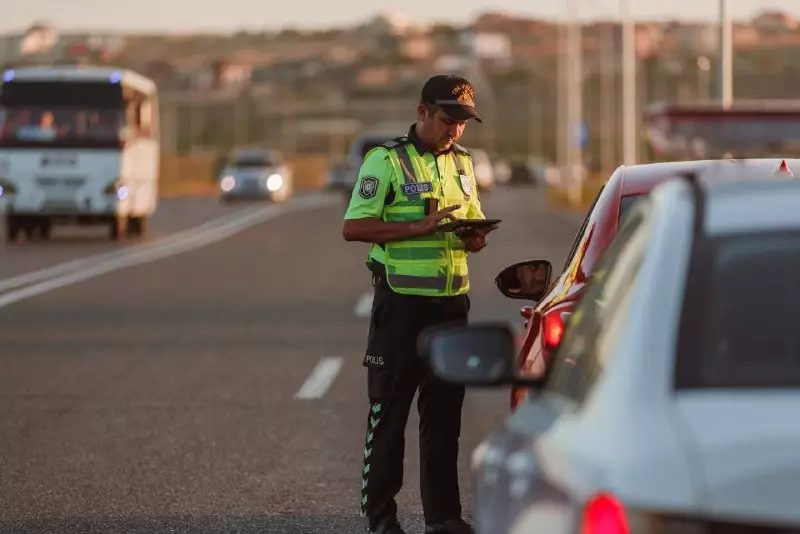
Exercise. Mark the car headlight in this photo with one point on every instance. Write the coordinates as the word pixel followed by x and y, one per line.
pixel 274 182
pixel 227 183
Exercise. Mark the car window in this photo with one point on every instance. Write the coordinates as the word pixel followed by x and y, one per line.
pixel 739 324
pixel 625 204
pixel 247 161
pixel 578 362
pixel 582 231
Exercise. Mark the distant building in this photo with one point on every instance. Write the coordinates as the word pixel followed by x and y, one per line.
pixel 775 21
pixel 39 39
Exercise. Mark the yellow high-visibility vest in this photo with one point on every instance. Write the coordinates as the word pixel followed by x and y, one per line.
pixel 435 264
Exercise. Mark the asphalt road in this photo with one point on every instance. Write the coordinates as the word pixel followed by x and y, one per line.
pixel 161 397
pixel 68 243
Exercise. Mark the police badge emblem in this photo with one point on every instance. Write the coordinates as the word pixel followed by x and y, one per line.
pixel 464 94
pixel 466 185
pixel 368 187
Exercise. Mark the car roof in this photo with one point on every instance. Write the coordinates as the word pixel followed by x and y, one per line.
pixel 751 204
pixel 641 179
pixel 256 152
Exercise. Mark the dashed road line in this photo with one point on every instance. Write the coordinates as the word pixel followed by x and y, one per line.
pixel 320 379
pixel 74 272
pixel 364 305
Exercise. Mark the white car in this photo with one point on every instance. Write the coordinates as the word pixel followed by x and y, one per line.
pixel 255 173
pixel 672 402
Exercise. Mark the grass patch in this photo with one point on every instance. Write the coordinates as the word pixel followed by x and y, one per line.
pixel 187 188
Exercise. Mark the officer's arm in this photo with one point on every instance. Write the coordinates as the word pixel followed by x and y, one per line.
pixel 362 222
pixel 474 210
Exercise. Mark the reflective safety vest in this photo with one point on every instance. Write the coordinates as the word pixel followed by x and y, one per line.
pixel 435 264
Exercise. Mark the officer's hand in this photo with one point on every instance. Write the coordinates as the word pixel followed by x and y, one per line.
pixel 475 238
pixel 469 232
pixel 429 224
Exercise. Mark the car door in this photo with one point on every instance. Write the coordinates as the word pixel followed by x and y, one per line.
pixel 537 425
pixel 529 360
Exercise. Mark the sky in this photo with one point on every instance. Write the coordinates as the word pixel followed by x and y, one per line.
pixel 184 16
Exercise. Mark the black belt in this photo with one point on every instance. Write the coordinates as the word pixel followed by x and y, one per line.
pixel 378 271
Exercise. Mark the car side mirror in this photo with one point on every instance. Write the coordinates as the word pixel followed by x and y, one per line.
pixel 475 355
pixel 527 280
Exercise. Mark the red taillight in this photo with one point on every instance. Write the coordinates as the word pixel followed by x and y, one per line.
pixel 604 514
pixel 553 329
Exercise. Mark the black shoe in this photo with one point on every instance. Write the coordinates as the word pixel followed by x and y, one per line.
pixel 388 526
pixel 453 526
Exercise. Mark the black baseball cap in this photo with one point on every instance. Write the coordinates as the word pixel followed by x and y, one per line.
pixel 453 94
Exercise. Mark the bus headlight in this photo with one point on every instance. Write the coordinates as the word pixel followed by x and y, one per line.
pixel 274 182
pixel 118 189
pixel 227 183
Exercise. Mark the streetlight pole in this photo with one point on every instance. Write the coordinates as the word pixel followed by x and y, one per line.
pixel 725 54
pixel 629 135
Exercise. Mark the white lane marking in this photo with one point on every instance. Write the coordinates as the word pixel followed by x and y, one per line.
pixel 130 258
pixel 364 305
pixel 320 379
pixel 82 263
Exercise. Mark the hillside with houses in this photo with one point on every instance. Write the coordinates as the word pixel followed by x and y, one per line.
pixel 310 91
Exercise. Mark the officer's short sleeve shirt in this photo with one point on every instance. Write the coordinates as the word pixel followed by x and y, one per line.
pixel 474 210
pixel 372 186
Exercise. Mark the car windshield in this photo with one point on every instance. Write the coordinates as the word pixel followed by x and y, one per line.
pixel 250 161
pixel 740 330
pixel 59 127
pixel 626 202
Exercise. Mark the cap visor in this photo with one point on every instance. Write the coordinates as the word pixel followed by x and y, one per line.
pixel 461 113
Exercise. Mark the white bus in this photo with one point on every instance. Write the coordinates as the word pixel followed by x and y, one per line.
pixel 78 145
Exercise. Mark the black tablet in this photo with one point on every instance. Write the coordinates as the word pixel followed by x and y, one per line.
pixel 468 223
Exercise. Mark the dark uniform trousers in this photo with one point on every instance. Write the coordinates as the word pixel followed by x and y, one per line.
pixel 394 372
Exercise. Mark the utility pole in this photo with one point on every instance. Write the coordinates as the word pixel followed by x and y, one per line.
pixel 574 99
pixel 534 114
pixel 725 54
pixel 562 128
pixel 608 119
pixel 629 122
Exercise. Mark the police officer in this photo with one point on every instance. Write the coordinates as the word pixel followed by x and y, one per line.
pixel 405 189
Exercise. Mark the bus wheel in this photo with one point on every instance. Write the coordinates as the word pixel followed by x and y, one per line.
pixel 118 228
pixel 46 229
pixel 137 226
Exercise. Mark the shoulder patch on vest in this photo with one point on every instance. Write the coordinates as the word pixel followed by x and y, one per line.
pixel 396 142
pixel 460 149
pixel 368 187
